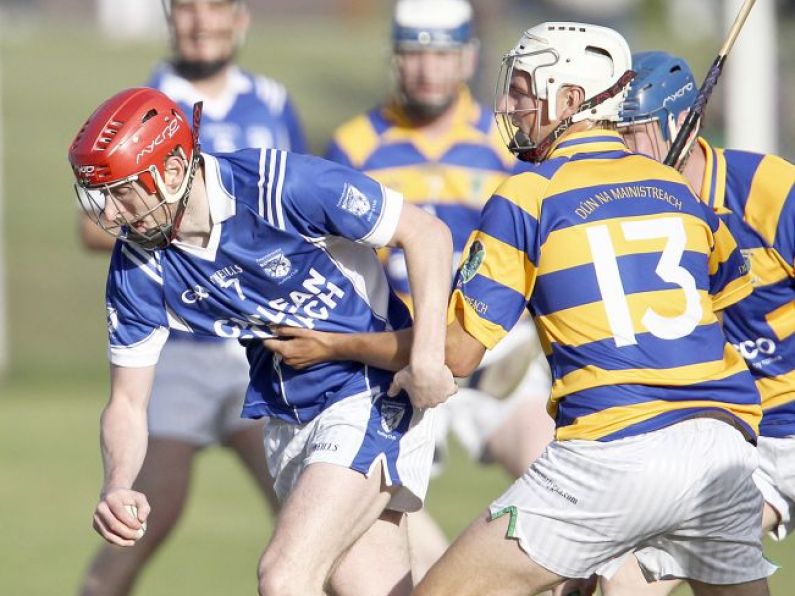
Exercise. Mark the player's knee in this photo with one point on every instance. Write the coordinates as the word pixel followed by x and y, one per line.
pixel 278 577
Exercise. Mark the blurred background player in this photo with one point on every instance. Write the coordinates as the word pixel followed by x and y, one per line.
pixel 753 195
pixel 435 144
pixel 200 382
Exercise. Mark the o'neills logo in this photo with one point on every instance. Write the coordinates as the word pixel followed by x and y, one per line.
pixel 167 133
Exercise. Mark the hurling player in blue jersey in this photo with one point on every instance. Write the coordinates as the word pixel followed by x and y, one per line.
pixel 227 246
pixel 189 412
pixel 623 271
pixel 440 148
pixel 753 195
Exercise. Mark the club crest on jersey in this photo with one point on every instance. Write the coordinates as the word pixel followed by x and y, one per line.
pixel 477 252
pixel 355 201
pixel 392 413
pixel 276 265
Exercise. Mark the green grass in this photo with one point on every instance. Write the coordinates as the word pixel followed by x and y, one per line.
pixel 51 399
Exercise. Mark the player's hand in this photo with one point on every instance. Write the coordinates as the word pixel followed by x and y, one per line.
pixel 427 386
pixel 299 347
pixel 113 520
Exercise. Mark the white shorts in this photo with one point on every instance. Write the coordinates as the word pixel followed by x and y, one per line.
pixel 776 480
pixel 681 498
pixel 358 432
pixel 198 392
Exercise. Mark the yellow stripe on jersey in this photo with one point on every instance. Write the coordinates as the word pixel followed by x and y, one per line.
pixel 776 391
pixel 466 313
pixel 592 376
pixel 523 191
pixel 725 245
pixel 768 267
pixel 600 424
pixel 505 264
pixel 357 139
pixel 626 172
pixel 772 183
pixel 782 321
pixel 567 247
pixel 588 323
pixel 596 146
pixel 733 292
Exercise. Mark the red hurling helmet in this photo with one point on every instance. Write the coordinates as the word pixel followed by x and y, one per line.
pixel 126 141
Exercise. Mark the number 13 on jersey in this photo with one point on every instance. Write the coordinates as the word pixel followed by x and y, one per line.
pixel 669 269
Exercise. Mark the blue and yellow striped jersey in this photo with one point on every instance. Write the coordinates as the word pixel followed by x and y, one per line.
pixel 622 269
pixel 753 195
pixel 451 174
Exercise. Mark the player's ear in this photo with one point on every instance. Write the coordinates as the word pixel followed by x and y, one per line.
pixel 572 98
pixel 174 172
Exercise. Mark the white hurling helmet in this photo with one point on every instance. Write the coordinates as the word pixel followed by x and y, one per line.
pixel 555 55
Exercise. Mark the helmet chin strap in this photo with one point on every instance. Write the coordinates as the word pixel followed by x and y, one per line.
pixel 540 151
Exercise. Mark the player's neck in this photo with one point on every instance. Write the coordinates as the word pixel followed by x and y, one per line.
pixel 196 223
pixel 695 166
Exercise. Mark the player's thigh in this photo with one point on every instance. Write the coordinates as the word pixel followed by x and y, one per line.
pixel 754 588
pixel 523 435
pixel 329 508
pixel 378 563
pixel 165 479
pixel 483 560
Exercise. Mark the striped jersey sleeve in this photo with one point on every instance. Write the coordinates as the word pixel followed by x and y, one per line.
pixel 498 270
pixel 317 198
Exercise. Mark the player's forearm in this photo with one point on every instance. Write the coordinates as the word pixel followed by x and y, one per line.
pixel 429 262
pixel 389 350
pixel 123 440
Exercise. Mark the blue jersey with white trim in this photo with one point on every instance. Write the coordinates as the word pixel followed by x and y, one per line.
pixel 622 269
pixel 292 243
pixel 451 175
pixel 253 111
pixel 754 195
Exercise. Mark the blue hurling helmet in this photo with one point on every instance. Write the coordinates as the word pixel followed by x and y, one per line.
pixel 420 24
pixel 663 88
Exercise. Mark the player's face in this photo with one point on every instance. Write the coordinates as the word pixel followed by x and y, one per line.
pixel 431 77
pixel 645 138
pixel 523 105
pixel 207 31
pixel 130 205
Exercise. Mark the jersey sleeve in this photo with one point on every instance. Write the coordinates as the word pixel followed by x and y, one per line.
pixel 729 274
pixel 322 198
pixel 136 315
pixel 498 270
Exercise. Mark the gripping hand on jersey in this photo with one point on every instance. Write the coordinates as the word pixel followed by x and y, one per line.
pixel 427 386
pixel 301 348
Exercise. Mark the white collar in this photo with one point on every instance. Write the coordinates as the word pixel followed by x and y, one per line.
pixel 217 108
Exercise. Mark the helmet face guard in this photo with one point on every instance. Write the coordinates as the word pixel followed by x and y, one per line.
pixel 153 207
pixel 517 140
